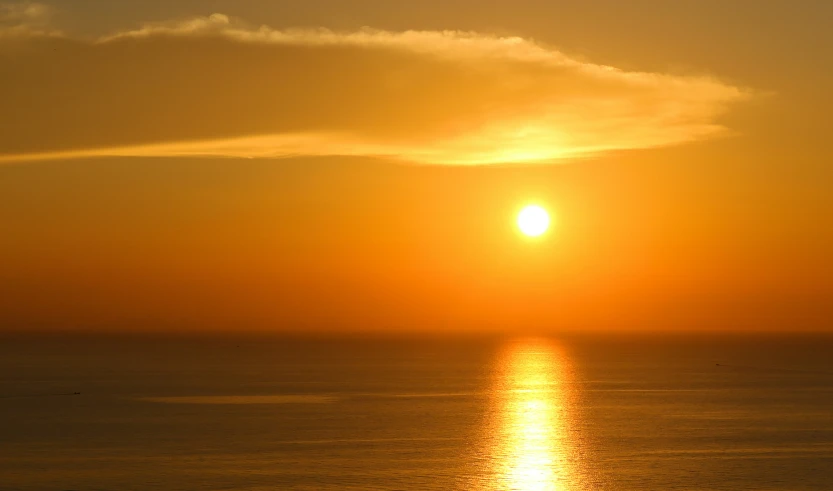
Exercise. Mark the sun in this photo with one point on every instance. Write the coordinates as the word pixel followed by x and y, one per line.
pixel 533 220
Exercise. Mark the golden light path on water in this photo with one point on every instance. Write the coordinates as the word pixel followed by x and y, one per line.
pixel 529 439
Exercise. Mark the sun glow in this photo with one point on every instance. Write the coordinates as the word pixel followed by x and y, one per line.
pixel 533 221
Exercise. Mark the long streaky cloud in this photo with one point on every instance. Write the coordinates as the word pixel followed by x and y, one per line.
pixel 213 86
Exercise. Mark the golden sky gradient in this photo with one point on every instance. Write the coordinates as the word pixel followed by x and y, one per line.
pixel 274 166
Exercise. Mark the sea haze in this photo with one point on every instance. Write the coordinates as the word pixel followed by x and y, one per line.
pixel 607 412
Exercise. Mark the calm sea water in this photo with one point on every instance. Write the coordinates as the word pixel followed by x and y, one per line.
pixel 607 413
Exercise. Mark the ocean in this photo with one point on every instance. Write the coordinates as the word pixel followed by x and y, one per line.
pixel 601 412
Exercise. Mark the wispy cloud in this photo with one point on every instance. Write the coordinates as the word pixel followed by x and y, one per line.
pixel 214 86
pixel 24 18
pixel 25 12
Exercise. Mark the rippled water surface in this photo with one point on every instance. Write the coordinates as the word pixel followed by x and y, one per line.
pixel 607 413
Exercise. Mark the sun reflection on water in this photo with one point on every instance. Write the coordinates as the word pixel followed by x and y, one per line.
pixel 530 443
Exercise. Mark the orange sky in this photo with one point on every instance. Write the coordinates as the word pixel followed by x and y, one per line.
pixel 163 168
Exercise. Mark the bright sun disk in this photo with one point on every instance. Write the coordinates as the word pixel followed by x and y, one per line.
pixel 533 220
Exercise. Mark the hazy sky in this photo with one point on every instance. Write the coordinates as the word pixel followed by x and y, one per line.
pixel 283 165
